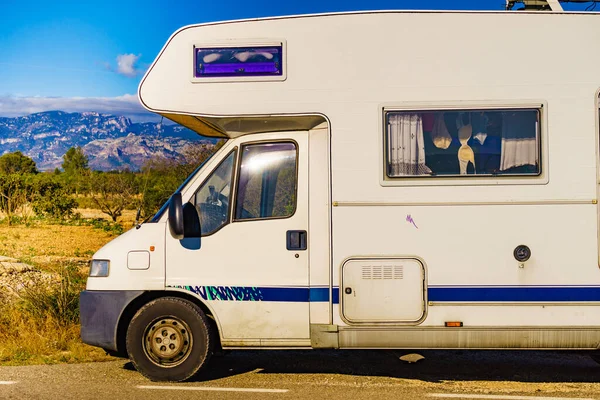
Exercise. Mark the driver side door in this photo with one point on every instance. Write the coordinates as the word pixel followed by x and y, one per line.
pixel 251 269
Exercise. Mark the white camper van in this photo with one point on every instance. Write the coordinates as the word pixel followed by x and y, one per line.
pixel 389 180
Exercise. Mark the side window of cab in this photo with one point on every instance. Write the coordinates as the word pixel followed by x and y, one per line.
pixel 213 198
pixel 267 183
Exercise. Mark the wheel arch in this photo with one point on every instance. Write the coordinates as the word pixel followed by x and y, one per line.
pixel 133 307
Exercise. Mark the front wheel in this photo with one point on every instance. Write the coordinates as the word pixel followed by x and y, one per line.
pixel 169 339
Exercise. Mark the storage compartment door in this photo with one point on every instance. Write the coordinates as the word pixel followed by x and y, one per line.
pixel 383 290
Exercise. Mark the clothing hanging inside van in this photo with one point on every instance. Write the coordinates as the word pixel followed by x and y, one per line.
pixel 439 134
pixel 465 153
pixel 479 122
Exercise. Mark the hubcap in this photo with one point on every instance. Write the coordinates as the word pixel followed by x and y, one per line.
pixel 168 341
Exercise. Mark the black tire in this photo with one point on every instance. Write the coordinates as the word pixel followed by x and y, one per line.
pixel 170 339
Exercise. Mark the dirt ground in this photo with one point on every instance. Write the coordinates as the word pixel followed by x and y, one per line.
pixel 43 244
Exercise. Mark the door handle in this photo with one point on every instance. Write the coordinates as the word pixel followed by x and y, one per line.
pixel 295 240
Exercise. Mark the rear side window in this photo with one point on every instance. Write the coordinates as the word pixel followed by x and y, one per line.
pixel 462 143
pixel 267 181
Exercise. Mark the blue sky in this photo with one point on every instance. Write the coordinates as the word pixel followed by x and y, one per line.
pixel 82 55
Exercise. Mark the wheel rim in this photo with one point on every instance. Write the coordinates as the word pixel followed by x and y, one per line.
pixel 168 341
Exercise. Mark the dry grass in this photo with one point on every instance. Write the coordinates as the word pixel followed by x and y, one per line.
pixel 25 339
pixel 45 245
pixel 41 324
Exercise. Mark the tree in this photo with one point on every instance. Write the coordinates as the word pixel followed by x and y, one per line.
pixel 13 194
pixel 77 172
pixel 74 161
pixel 14 187
pixel 113 192
pixel 17 163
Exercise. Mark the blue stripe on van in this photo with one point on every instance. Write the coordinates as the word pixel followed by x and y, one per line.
pixel 289 294
pixel 472 294
pixel 253 293
pixel 319 294
pixel 322 294
pixel 513 293
pixel 336 295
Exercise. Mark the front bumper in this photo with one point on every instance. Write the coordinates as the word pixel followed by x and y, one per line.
pixel 100 312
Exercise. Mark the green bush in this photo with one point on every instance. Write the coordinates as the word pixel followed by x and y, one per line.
pixel 98 223
pixel 50 198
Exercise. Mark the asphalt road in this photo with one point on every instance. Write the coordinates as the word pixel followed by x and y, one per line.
pixel 325 375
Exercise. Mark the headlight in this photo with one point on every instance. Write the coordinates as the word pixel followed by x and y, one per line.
pixel 99 268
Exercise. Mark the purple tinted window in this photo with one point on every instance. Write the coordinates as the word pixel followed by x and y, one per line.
pixel 238 61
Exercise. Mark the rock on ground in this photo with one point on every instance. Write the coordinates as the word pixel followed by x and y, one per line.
pixel 16 277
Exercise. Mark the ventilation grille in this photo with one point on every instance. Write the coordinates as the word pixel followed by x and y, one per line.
pixel 382 272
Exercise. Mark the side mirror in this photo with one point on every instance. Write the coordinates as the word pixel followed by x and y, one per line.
pixel 191 222
pixel 176 216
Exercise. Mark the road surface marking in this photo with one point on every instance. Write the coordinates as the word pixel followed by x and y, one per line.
pixel 215 389
pixel 7 382
pixel 500 397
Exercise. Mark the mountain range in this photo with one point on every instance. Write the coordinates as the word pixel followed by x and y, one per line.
pixel 110 141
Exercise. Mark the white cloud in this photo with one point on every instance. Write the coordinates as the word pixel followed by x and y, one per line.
pixel 127 65
pixel 127 105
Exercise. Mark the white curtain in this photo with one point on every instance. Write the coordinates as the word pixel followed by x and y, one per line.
pixel 518 152
pixel 406 146
pixel 519 139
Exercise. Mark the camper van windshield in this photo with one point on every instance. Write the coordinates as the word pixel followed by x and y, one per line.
pixel 467 142
pixel 165 205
